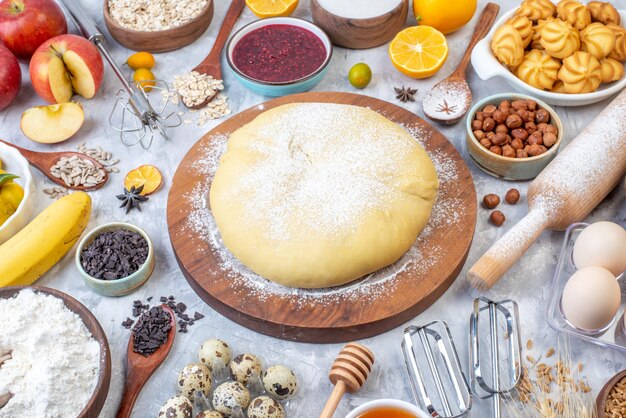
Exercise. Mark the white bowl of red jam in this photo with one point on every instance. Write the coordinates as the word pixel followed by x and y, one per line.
pixel 279 56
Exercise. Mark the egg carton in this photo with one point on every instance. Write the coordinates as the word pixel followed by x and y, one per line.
pixel 308 376
pixel 612 336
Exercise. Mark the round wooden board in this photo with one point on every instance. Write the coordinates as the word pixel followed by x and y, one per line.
pixel 96 402
pixel 288 316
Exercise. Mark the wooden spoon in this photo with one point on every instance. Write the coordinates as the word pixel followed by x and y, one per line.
pixel 450 99
pixel 140 368
pixel 349 372
pixel 211 64
pixel 43 161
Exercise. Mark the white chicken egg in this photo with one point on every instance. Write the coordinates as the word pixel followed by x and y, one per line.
pixel 601 244
pixel 591 298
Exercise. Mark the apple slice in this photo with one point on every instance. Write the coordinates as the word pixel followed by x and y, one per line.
pixel 82 78
pixel 53 123
pixel 59 81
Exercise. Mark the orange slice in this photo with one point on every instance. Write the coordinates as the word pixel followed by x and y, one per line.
pixel 272 8
pixel 147 176
pixel 418 51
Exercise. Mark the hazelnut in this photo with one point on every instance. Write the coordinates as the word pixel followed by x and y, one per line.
pixel 551 129
pixel 530 127
pixel 517 144
pixel 543 148
pixel 499 139
pixel 512 196
pixel 491 200
pixel 496 150
pixel 499 116
pixel 485 142
pixel 535 139
pixel 542 116
pixel 520 153
pixel 542 127
pixel 504 104
pixel 489 110
pixel 526 147
pixel 479 135
pixel 525 115
pixel 479 116
pixel 477 125
pixel 513 121
pixel 489 124
pixel 534 150
pixel 508 151
pixel 549 139
pixel 519 104
pixel 531 104
pixel 490 135
pixel 497 218
pixel 502 129
pixel 519 133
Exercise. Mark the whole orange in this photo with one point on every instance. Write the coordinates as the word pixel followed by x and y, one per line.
pixel 444 15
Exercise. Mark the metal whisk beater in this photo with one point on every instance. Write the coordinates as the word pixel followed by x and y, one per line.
pixel 132 116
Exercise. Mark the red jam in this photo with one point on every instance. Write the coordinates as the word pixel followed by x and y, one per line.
pixel 279 53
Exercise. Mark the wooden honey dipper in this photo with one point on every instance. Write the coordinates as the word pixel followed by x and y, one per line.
pixel 349 372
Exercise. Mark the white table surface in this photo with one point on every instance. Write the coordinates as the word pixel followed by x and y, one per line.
pixel 527 282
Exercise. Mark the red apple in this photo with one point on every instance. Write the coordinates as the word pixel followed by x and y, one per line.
pixel 10 77
pixel 65 65
pixel 26 24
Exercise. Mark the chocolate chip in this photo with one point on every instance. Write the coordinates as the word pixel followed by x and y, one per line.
pixel 151 331
pixel 114 254
pixel 197 316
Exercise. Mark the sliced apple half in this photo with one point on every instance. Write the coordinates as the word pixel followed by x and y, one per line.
pixel 59 81
pixel 53 123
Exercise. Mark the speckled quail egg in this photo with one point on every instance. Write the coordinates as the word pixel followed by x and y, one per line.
pixel 265 407
pixel 229 396
pixel 209 414
pixel 215 354
pixel 176 407
pixel 195 377
pixel 245 367
pixel 280 382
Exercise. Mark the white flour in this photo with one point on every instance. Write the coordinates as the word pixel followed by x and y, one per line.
pixel 55 361
pixel 359 9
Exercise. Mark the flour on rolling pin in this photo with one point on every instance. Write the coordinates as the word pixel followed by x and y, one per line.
pixel 570 187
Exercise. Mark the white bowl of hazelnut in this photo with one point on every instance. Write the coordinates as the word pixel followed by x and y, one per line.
pixel 513 136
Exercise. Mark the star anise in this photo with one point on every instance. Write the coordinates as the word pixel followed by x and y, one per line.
pixel 446 108
pixel 132 198
pixel 405 94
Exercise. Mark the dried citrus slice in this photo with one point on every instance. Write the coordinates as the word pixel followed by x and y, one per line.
pixel 272 8
pixel 147 176
pixel 419 51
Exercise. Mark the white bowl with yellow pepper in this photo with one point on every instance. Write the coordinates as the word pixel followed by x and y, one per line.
pixel 13 218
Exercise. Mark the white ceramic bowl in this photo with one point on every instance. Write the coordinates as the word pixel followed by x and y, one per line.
pixel 13 162
pixel 388 403
pixel 487 66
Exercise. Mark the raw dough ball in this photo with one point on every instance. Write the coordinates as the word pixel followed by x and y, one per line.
pixel 215 354
pixel 229 396
pixel 314 195
pixel 195 377
pixel 245 367
pixel 176 407
pixel 265 407
pixel 209 414
pixel 591 298
pixel 280 381
pixel 602 244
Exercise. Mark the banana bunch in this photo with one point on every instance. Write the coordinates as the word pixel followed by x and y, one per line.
pixel 33 251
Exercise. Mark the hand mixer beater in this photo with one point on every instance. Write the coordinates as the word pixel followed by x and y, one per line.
pixel 133 116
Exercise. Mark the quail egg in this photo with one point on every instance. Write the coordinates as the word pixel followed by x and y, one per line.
pixel 195 377
pixel 230 396
pixel 176 407
pixel 245 367
pixel 209 414
pixel 215 354
pixel 280 381
pixel 265 407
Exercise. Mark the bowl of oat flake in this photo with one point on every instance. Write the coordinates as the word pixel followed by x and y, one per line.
pixel 157 26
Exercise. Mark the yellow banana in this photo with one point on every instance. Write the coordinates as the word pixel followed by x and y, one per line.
pixel 33 251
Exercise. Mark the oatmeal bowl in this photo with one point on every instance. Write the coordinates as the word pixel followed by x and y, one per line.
pixel 157 27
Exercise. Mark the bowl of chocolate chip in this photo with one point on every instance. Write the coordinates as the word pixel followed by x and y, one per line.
pixel 115 259
pixel 513 136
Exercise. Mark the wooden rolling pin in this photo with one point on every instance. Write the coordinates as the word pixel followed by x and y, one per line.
pixel 570 187
pixel 349 371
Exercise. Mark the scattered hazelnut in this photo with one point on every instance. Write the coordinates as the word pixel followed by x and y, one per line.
pixel 496 150
pixel 542 116
pixel 491 200
pixel 512 196
pixel 489 124
pixel 497 218
pixel 549 139
pixel 513 121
